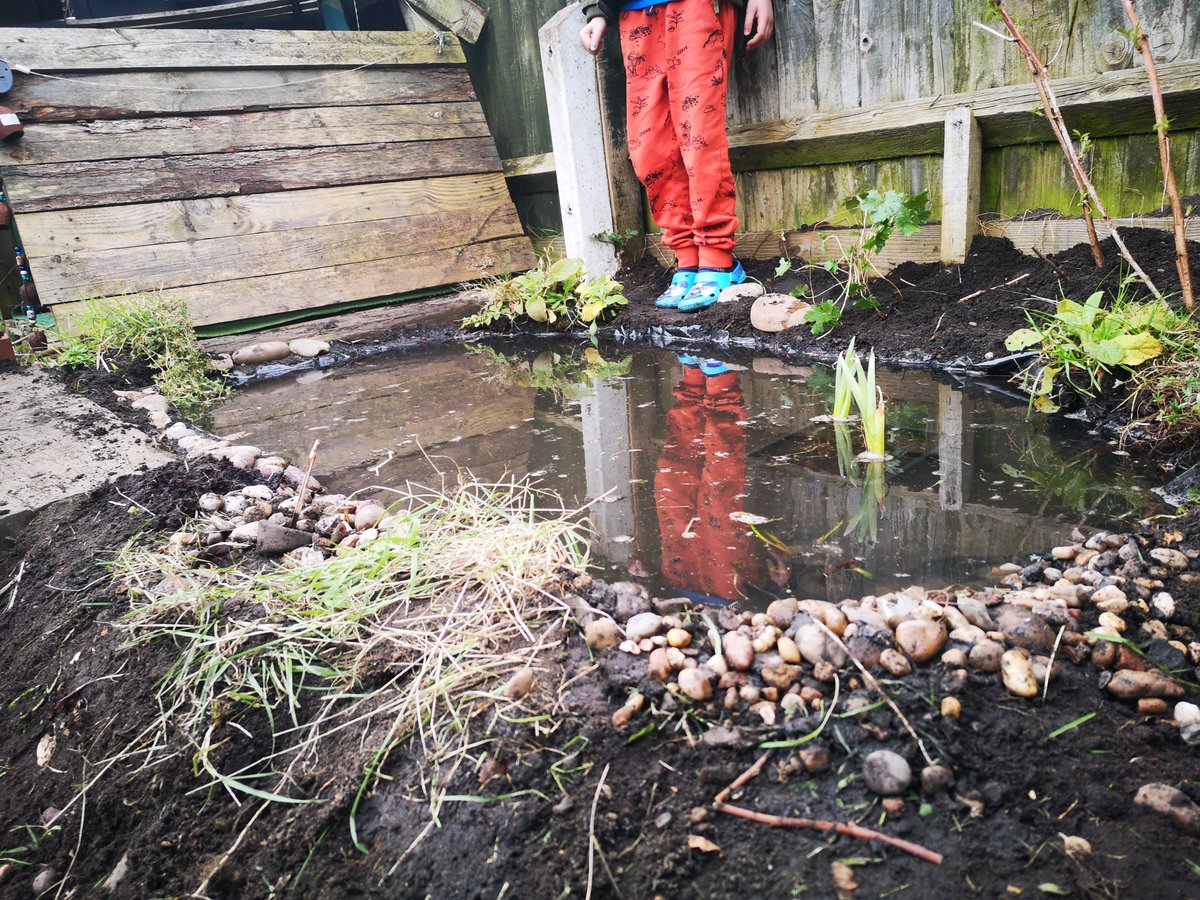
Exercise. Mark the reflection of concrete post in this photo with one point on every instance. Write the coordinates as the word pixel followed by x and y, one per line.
pixel 608 465
pixel 950 447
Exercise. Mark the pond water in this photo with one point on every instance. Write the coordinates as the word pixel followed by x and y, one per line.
pixel 674 457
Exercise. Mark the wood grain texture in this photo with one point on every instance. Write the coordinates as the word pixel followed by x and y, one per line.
pixel 462 17
pixel 281 129
pixel 261 11
pixel 62 277
pixel 115 182
pixel 61 50
pixel 137 94
pixel 203 218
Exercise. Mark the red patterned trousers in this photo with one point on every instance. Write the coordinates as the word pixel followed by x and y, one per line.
pixel 677 71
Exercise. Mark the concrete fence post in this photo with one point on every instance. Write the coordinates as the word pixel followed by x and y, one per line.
pixel 962 162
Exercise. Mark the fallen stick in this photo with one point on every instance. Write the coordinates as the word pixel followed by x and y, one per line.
pixel 1009 283
pixel 1057 271
pixel 312 458
pixel 824 825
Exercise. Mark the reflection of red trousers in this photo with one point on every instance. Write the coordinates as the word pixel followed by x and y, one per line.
pixel 677 71
pixel 702 476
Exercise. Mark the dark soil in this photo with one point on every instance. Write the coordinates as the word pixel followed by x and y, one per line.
pixel 66 673
pixel 928 313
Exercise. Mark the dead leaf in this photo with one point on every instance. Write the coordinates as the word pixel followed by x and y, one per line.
pixel 843 878
pixel 701 843
pixel 45 750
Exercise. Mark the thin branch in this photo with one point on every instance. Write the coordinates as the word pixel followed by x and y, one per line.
pixel 1041 78
pixel 592 833
pixel 1164 156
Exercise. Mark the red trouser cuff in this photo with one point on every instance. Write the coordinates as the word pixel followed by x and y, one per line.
pixel 687 257
pixel 715 258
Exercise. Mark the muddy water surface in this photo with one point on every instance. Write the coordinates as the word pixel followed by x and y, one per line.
pixel 675 456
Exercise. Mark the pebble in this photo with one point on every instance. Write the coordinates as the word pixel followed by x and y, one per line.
pixel 1152 706
pixel 1188 717
pixel 886 773
pixel 246 533
pixel 368 515
pixel 766 640
pixel 658 665
pixel 986 656
pixel 519 684
pixel 951 708
pixel 787 650
pixel 921 639
pixel 1164 605
pixel 1024 629
pixel 695 685
pixel 256 354
pixel 308 347
pixel 955 658
pixel 1064 552
pixel 765 710
pixel 749 694
pixel 1129 684
pixel 895 663
pixel 1017 673
pixel 178 432
pixel 1104 654
pixel 893 806
pixel 1165 555
pixel 816 647
pixel 1112 622
pixel 679 637
pixel 210 502
pixel 781 612
pixel 738 650
pixel 936 779
pixel 1172 803
pixel 642 626
pixel 632 599
pixel 601 634
pixel 780 675
pixel 815 758
pixel 717 665
pixel 152 403
pixel 44 880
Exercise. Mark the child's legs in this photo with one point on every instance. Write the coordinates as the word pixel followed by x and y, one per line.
pixel 653 145
pixel 699 45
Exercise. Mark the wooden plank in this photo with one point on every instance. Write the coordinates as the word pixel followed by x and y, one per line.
pixel 181 92
pixel 66 277
pixel 462 17
pixel 283 129
pixel 256 9
pixel 117 182
pixel 961 175
pixel 1054 235
pixel 836 21
pixel 1105 104
pixel 247 298
pixel 61 50
pixel 109 228
pixel 538 164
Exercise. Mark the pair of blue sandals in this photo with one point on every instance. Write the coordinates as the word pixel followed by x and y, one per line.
pixel 690 291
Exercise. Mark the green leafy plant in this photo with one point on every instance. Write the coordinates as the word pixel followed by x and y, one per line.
pixel 1083 343
pixel 875 217
pixel 872 410
pixel 150 328
pixel 847 370
pixel 555 294
pixel 570 375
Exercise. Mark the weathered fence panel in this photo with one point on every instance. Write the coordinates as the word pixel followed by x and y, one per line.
pixel 253 173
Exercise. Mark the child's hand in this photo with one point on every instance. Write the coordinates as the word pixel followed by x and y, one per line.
pixel 760 21
pixel 592 35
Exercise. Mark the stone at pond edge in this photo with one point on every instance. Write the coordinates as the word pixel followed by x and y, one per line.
pixel 745 291
pixel 602 634
pixel 777 312
pixel 921 639
pixel 695 685
pixel 308 347
pixel 1172 803
pixel 276 540
pixel 1016 671
pixel 738 650
pixel 887 773
pixel 1129 684
pixel 256 354
pixel 643 625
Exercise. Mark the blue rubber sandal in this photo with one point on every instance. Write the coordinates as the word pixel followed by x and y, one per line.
pixel 713 367
pixel 708 287
pixel 681 283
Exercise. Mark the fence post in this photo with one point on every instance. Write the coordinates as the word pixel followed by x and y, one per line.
pixel 578 134
pixel 962 162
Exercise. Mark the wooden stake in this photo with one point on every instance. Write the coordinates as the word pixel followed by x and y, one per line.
pixel 1041 77
pixel 312 458
pixel 1164 155
pixel 961 174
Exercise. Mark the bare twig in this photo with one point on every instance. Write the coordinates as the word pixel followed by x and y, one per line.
pixel 847 828
pixel 982 291
pixel 592 833
pixel 1164 156
pixel 1050 665
pixel 312 458
pixel 1057 271
pixel 15 584
pixel 873 684
pixel 1091 199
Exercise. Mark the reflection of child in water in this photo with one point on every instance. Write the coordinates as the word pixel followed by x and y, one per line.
pixel 701 479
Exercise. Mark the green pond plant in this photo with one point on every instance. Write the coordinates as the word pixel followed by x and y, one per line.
pixel 558 294
pixel 854 382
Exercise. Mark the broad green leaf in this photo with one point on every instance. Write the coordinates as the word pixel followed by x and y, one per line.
pixel 1138 348
pixel 535 308
pixel 1071 313
pixel 564 269
pixel 1022 338
pixel 589 311
pixel 1107 353
pixel 1045 405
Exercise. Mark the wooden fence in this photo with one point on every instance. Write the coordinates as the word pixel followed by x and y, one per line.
pixel 252 172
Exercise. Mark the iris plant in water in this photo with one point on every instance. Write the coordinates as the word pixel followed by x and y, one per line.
pixel 853 383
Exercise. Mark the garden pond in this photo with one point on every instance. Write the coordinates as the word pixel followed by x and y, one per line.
pixel 681 466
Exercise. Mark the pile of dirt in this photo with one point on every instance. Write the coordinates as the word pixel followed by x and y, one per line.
pixel 561 798
pixel 928 313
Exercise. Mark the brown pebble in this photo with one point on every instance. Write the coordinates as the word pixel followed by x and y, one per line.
pixel 824 671
pixel 1152 706
pixel 811 695
pixel 519 684
pixel 893 806
pixel 816 759
pixel 951 708
pixel 1104 654
pixel 894 662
